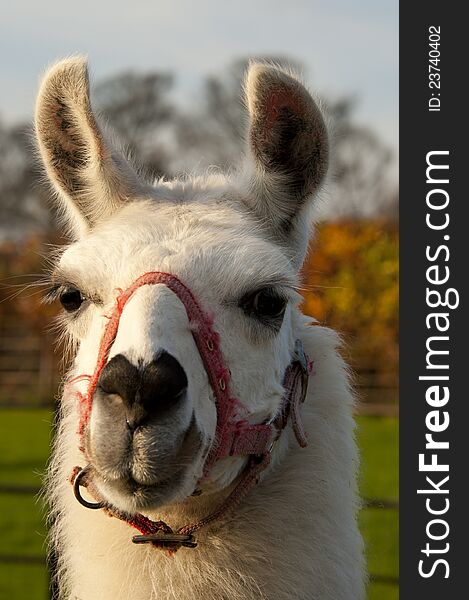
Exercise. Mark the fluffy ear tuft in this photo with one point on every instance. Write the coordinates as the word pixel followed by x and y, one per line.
pixel 287 146
pixel 91 179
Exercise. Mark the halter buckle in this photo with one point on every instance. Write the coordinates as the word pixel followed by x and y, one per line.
pixel 163 539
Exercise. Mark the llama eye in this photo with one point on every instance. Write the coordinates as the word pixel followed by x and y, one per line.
pixel 266 304
pixel 71 299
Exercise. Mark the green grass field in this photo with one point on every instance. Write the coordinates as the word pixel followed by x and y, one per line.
pixel 378 439
pixel 24 447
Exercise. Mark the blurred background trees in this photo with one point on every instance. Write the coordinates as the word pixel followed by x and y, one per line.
pixel 138 109
pixel 350 277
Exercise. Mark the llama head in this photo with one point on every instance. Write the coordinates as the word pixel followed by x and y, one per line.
pixel 236 241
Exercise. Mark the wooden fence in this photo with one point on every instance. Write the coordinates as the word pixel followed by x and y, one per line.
pixel 29 368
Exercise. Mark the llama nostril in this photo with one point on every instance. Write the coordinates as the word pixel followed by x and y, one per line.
pixel 143 392
pixel 120 378
pixel 163 383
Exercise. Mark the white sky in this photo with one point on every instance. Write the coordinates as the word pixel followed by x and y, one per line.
pixel 348 46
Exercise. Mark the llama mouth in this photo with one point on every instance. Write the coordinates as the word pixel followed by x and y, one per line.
pixel 135 487
pixel 132 491
pixel 130 494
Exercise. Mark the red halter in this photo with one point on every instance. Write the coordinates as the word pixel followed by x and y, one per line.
pixel 234 435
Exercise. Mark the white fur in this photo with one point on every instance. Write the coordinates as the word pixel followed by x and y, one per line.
pixel 295 536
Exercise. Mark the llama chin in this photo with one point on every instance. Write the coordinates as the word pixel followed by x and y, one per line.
pixel 151 411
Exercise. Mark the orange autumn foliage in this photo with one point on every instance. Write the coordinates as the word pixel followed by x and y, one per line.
pixel 351 284
pixel 22 272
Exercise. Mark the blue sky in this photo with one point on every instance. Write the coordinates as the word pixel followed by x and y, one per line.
pixel 348 46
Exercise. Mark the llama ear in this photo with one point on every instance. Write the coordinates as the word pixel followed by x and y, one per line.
pixel 287 147
pixel 91 179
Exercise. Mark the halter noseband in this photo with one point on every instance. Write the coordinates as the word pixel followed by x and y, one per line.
pixel 234 435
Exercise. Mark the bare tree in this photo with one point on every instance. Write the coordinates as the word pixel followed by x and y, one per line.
pixel 137 107
pixel 21 197
pixel 361 181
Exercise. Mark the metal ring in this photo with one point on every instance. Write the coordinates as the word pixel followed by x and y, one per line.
pixel 222 384
pixel 210 345
pixel 79 497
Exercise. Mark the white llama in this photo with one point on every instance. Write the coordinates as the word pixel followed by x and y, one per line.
pixel 148 405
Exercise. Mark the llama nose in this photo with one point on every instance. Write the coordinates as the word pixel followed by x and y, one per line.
pixel 145 392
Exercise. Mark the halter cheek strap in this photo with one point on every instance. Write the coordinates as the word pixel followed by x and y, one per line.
pixel 234 435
